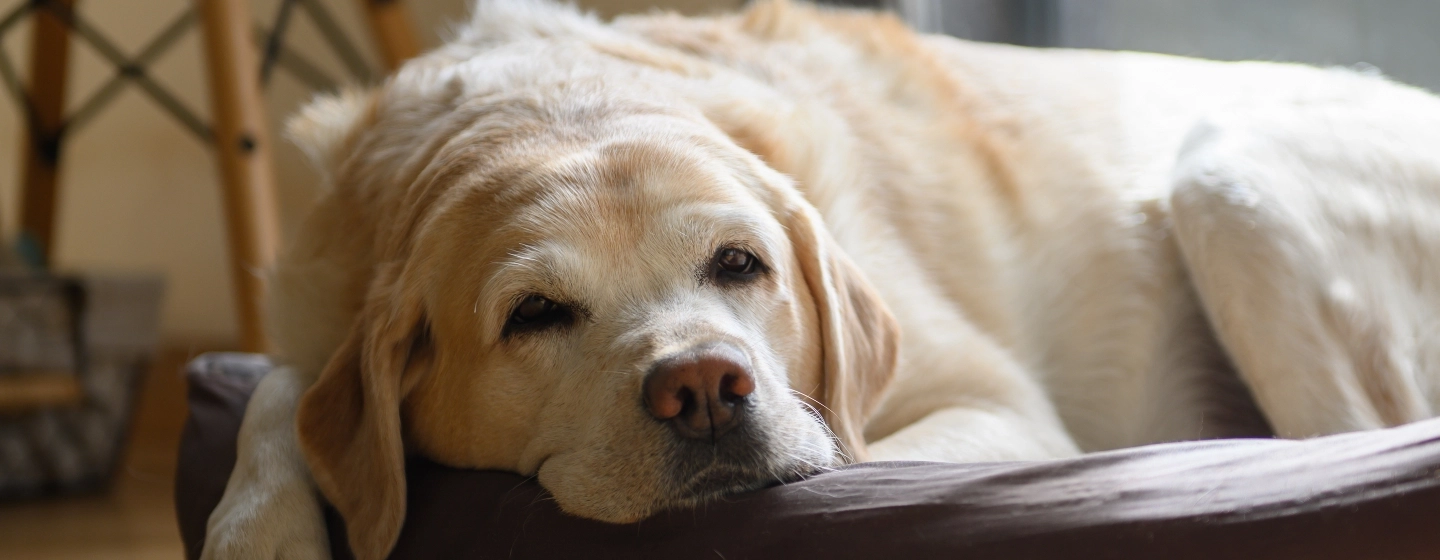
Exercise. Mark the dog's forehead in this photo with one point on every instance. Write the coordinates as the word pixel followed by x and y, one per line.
pixel 638 199
pixel 592 222
pixel 629 179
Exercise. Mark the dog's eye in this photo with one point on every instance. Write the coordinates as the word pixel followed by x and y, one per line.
pixel 536 312
pixel 735 264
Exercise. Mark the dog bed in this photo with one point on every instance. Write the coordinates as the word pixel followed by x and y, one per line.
pixel 1362 495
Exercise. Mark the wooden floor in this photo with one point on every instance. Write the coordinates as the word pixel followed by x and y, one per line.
pixel 135 520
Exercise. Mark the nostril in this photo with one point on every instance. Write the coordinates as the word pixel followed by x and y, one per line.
pixel 736 386
pixel 666 394
pixel 686 398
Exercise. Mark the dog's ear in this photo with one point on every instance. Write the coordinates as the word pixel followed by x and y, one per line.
pixel 324 126
pixel 859 336
pixel 349 421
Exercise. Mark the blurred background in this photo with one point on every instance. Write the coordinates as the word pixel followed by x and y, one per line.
pixel 139 195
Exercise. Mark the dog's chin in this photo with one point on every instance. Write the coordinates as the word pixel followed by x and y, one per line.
pixel 704 473
pixel 708 485
pixel 698 485
pixel 719 481
pixel 683 473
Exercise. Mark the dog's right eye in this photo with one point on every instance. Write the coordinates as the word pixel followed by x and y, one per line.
pixel 535 313
pixel 732 264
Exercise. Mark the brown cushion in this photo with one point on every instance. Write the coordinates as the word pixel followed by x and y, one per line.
pixel 1363 495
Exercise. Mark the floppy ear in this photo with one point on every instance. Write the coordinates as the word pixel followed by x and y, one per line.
pixel 324 126
pixel 349 421
pixel 860 337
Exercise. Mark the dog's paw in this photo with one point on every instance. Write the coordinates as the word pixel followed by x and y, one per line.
pixel 284 523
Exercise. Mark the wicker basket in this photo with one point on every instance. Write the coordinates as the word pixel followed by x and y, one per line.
pixel 72 354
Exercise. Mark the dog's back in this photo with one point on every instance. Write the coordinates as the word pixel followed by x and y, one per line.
pixel 1024 193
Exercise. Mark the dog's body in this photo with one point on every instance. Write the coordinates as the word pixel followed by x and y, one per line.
pixel 1053 252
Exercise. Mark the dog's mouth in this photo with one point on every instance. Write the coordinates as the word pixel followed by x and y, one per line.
pixel 702 473
pixel 721 480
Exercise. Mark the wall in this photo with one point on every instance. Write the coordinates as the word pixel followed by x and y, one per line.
pixel 139 192
pixel 1400 37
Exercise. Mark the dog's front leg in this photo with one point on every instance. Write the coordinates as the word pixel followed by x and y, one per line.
pixel 960 397
pixel 966 434
pixel 271 508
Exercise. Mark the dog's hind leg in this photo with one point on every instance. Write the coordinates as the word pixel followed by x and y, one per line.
pixel 1312 235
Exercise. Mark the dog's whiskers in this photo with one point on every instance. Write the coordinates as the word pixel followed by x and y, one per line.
pixel 806 401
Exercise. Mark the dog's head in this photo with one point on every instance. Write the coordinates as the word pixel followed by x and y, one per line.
pixel 601 290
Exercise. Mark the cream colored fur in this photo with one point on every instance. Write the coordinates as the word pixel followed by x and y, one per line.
pixel 976 253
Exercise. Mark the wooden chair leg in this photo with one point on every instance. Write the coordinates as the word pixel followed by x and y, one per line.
pixel 390 23
pixel 49 65
pixel 243 148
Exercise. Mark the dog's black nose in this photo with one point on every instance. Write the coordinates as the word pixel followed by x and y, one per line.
pixel 701 392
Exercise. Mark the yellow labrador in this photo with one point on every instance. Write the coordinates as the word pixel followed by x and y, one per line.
pixel 660 260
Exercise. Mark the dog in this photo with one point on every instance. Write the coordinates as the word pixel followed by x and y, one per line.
pixel 660 260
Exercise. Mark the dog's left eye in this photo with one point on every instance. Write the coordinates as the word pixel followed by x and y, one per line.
pixel 736 264
pixel 535 313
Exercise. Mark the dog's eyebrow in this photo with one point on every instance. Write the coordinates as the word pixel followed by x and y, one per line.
pixel 525 254
pixel 525 269
pixel 738 226
pixel 532 262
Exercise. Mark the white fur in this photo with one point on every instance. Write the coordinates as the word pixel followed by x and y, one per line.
pixel 1170 224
